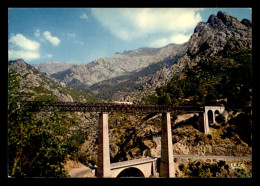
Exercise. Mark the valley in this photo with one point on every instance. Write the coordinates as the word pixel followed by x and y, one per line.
pixel 213 68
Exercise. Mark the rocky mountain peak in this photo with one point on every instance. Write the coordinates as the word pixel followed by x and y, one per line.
pixel 18 62
pixel 20 66
pixel 51 67
pixel 220 32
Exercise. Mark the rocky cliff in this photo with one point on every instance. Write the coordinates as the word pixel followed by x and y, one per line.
pixel 35 85
pixel 221 32
pixel 121 64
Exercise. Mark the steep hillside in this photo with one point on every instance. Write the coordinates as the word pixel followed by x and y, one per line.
pixel 222 33
pixel 216 71
pixel 217 74
pixel 84 75
pixel 118 88
pixel 34 85
pixel 39 143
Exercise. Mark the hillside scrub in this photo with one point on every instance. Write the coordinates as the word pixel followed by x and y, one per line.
pixel 225 76
pixel 40 142
pixel 36 147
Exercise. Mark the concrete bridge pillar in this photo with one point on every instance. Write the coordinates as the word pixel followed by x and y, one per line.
pixel 103 164
pixel 206 122
pixel 166 164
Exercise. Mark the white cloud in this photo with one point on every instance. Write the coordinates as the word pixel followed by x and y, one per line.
pixel 24 54
pixel 132 23
pixel 83 16
pixel 180 38
pixel 21 41
pixel 53 40
pixel 159 42
pixel 22 47
pixel 174 38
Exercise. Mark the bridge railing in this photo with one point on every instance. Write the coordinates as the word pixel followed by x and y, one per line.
pixel 36 106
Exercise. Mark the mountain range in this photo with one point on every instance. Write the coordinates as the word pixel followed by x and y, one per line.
pixel 51 67
pixel 117 77
pixel 216 63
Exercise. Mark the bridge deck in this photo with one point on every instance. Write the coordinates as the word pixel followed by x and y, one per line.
pixel 131 162
pixel 36 106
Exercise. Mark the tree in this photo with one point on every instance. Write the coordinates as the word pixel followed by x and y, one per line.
pixel 36 147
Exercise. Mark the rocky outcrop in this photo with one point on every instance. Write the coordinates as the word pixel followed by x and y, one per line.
pixel 121 64
pixel 221 31
pixel 36 85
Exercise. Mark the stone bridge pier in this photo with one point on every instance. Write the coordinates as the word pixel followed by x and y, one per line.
pixel 167 164
pixel 103 164
pixel 207 111
pixel 104 168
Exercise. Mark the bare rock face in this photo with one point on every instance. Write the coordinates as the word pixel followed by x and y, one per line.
pixel 120 65
pixel 221 32
pixel 218 33
pixel 37 83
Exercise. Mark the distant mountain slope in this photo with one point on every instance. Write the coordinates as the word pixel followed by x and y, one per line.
pixel 118 77
pixel 51 67
pixel 36 86
pixel 119 87
pixel 43 141
pixel 84 75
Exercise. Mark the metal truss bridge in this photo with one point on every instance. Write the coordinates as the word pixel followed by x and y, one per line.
pixel 36 106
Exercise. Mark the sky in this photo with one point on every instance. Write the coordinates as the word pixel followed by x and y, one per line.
pixel 39 35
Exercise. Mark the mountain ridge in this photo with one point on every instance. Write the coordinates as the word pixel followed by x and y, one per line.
pixel 51 67
pixel 85 75
pixel 36 85
pixel 221 32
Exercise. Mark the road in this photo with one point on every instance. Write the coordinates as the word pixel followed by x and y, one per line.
pixel 210 157
pixel 213 157
pixel 84 172
pixel 81 172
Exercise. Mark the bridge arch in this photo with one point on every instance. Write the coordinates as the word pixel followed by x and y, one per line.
pixel 210 116
pixel 211 112
pixel 131 172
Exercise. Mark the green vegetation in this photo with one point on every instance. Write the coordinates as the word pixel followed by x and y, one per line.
pixel 220 169
pixel 223 77
pixel 36 147
pixel 39 143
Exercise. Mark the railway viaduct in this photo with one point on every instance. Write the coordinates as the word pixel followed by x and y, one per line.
pixel 144 167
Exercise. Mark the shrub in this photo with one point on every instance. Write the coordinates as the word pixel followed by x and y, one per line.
pixel 220 118
pixel 181 167
pixel 240 173
pixel 209 136
pixel 205 173
pixel 36 147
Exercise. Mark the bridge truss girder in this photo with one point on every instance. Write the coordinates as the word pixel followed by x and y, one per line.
pixel 36 106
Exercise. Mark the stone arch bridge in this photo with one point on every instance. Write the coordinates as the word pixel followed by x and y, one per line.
pixel 143 167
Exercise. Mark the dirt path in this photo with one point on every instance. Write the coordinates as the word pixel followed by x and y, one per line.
pixel 82 172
